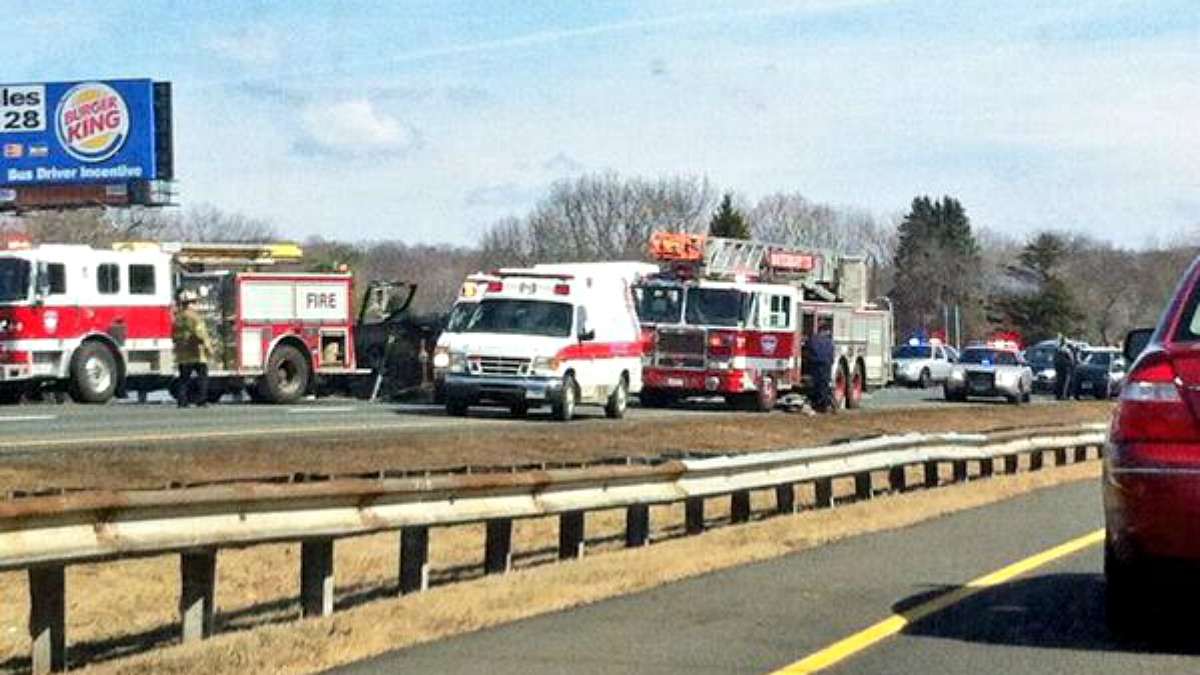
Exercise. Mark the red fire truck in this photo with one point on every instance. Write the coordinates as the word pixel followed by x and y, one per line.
pixel 731 317
pixel 98 322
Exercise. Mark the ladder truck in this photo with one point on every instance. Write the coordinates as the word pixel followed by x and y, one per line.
pixel 97 322
pixel 731 318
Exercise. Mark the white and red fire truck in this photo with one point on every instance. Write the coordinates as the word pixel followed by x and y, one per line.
pixel 731 318
pixel 97 322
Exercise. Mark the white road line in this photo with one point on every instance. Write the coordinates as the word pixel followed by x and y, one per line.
pixel 28 418
pixel 312 410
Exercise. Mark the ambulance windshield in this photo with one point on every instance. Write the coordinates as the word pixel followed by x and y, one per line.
pixel 521 317
pixel 659 304
pixel 460 314
pixel 14 279
pixel 715 307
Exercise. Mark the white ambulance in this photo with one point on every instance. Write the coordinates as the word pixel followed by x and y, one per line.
pixel 557 335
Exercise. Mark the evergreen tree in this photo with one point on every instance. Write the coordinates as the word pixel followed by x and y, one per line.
pixel 936 267
pixel 728 221
pixel 1045 307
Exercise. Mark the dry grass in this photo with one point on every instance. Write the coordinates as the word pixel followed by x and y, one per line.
pixel 534 442
pixel 126 607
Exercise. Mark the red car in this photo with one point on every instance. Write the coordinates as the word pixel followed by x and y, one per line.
pixel 1152 460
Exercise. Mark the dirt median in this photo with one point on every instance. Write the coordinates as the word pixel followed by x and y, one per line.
pixel 533 443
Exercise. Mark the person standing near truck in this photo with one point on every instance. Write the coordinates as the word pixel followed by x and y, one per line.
pixel 193 350
pixel 821 352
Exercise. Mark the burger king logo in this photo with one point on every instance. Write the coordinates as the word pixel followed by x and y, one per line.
pixel 92 122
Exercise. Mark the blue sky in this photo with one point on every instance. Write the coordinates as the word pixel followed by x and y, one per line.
pixel 427 121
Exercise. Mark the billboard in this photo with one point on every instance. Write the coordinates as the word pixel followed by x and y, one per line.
pixel 92 132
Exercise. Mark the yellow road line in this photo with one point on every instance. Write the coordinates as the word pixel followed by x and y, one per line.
pixel 847 647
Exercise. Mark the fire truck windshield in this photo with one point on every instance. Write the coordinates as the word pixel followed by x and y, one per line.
pixel 14 279
pixel 521 317
pixel 715 307
pixel 659 304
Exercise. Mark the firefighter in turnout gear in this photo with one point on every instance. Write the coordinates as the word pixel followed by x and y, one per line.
pixel 193 349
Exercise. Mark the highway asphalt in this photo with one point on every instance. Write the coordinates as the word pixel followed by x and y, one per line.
pixel 43 426
pixel 764 617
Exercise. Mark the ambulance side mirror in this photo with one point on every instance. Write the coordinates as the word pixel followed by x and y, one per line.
pixel 584 331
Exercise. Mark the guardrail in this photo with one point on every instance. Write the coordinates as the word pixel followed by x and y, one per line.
pixel 44 534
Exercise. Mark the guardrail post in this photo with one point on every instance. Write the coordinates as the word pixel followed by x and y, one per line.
pixel 897 479
pixel 960 470
pixel 497 551
pixel 1035 460
pixel 931 474
pixel 739 506
pixel 1081 453
pixel 987 467
pixel 862 485
pixel 48 619
pixel 1011 463
pixel 316 577
pixel 637 525
pixel 414 559
pixel 198 584
pixel 1060 457
pixel 693 521
pixel 785 499
pixel 571 535
pixel 823 491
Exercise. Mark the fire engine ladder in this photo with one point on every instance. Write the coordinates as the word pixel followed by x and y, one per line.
pixel 219 253
pixel 730 257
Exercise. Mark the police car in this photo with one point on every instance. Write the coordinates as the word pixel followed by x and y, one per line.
pixel 922 363
pixel 992 370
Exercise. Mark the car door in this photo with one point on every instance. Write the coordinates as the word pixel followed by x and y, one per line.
pixel 940 367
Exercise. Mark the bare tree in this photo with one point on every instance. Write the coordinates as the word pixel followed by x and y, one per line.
pixel 789 218
pixel 599 217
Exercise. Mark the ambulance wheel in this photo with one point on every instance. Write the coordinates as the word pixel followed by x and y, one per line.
pixel 618 401
pixel 564 406
pixel 287 376
pixel 855 395
pixel 94 374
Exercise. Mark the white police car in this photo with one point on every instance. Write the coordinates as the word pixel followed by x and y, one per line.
pixel 995 369
pixel 922 364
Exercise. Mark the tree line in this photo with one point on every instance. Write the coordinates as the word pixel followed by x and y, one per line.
pixel 936 268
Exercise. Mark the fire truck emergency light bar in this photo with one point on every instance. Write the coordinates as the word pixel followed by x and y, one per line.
pixel 220 253
pixel 677 246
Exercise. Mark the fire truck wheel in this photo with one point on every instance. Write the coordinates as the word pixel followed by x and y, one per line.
pixel 287 375
pixel 840 387
pixel 855 395
pixel 93 373
pixel 564 407
pixel 618 401
pixel 764 399
pixel 654 398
